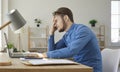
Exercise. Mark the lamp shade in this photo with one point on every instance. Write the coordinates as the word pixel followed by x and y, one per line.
pixel 17 20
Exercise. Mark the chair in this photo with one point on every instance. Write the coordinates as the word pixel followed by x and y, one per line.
pixel 110 59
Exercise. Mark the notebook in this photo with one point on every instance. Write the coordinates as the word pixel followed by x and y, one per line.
pixel 13 55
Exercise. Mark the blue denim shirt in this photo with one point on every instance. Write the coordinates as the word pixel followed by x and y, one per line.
pixel 80 43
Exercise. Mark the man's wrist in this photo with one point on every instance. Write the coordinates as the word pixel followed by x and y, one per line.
pixel 42 55
pixel 51 33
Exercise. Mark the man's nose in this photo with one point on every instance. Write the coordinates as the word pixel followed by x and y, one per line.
pixel 55 25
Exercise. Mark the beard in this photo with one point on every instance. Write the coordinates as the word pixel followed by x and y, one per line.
pixel 64 26
pixel 63 29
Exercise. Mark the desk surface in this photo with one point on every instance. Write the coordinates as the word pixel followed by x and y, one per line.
pixel 17 66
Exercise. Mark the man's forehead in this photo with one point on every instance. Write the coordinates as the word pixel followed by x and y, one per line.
pixel 57 16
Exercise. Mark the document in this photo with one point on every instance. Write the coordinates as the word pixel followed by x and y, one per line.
pixel 48 62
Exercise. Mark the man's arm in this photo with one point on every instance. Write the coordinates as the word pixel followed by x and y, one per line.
pixel 51 43
pixel 53 46
pixel 81 39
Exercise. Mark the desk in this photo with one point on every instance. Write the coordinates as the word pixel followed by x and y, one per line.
pixel 17 66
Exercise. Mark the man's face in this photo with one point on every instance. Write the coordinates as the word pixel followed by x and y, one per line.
pixel 59 23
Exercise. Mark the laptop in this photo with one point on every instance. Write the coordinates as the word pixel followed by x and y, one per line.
pixel 14 55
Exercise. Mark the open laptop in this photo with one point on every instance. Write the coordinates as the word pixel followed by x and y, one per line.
pixel 14 55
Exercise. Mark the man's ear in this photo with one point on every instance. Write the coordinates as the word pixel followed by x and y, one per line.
pixel 66 18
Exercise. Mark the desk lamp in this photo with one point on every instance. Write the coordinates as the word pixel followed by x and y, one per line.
pixel 16 22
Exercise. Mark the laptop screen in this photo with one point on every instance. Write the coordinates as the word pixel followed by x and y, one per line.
pixel 6 40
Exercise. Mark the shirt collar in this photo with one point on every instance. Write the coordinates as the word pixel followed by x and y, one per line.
pixel 72 26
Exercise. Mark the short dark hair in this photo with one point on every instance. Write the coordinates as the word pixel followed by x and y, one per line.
pixel 64 11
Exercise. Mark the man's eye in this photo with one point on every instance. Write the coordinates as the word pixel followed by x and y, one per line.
pixel 55 21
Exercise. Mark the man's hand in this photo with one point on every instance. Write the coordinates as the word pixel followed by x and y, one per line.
pixel 36 55
pixel 53 27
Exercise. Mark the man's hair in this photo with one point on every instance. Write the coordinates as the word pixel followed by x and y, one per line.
pixel 64 11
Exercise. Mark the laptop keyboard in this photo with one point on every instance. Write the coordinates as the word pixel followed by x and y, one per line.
pixel 18 54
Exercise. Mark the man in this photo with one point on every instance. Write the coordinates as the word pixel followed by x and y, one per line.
pixel 78 42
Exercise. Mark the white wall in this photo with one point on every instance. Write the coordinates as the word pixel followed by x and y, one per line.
pixel 83 10
pixel 4 19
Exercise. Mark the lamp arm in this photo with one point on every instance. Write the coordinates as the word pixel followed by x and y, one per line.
pixel 4 25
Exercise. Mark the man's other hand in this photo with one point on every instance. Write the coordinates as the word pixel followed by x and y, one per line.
pixel 53 27
pixel 36 55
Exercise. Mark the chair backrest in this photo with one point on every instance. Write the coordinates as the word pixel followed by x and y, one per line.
pixel 110 59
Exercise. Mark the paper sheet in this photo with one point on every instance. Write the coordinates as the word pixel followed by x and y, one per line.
pixel 50 61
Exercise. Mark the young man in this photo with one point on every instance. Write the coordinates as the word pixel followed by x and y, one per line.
pixel 78 42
